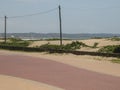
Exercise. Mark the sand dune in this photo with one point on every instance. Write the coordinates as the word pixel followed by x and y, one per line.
pixel 90 42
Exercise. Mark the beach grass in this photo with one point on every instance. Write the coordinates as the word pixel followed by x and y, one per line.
pixel 116 60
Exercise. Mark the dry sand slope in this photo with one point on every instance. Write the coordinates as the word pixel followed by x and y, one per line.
pixel 13 83
pixel 90 42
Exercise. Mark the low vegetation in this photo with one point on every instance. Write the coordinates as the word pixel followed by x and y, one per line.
pixel 72 46
pixel 110 49
pixel 115 38
pixel 15 42
pixel 54 39
pixel 97 38
pixel 116 60
pixel 95 45
pixel 21 45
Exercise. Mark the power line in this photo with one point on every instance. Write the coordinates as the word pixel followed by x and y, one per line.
pixel 45 12
pixel 28 15
pixel 91 8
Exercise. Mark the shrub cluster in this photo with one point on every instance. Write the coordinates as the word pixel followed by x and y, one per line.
pixel 115 39
pixel 75 45
pixel 95 45
pixel 14 39
pixel 110 49
pixel 116 60
pixel 72 46
pixel 22 43
pixel 15 42
pixel 117 49
pixel 57 49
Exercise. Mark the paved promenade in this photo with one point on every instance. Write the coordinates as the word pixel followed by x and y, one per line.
pixel 56 74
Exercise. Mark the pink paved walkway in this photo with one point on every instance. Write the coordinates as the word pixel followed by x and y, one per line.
pixel 56 74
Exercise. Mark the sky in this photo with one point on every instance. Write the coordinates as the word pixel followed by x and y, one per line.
pixel 78 16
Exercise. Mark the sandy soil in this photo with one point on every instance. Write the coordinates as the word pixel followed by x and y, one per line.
pixel 90 42
pixel 13 83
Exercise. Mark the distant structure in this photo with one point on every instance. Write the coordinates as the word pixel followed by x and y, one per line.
pixel 12 36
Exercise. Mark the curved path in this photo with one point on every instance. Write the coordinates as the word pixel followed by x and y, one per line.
pixel 56 74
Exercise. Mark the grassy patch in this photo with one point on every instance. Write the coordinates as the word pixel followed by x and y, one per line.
pixel 116 60
pixel 72 46
pixel 97 38
pixel 95 45
pixel 15 42
pixel 110 49
pixel 55 39
pixel 115 39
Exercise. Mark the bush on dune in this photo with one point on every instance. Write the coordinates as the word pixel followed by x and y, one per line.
pixel 110 49
pixel 15 42
pixel 72 46
pixel 115 38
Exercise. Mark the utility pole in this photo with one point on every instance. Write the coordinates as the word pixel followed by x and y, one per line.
pixel 5 28
pixel 60 21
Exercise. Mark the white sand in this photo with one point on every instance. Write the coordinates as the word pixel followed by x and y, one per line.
pixel 13 83
pixel 90 42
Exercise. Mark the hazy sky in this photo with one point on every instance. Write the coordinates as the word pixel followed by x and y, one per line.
pixel 78 16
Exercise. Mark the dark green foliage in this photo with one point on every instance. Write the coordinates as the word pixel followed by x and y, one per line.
pixel 15 42
pixel 71 46
pixel 95 45
pixel 76 45
pixel 21 48
pixel 96 37
pixel 55 39
pixel 14 39
pixel 50 47
pixel 46 48
pixel 117 49
pixel 110 49
pixel 23 43
pixel 116 60
pixel 52 39
pixel 115 39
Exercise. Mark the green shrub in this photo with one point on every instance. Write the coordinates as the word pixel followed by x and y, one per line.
pixel 117 49
pixel 48 47
pixel 72 46
pixel 95 45
pixel 20 43
pixel 96 37
pixel 55 39
pixel 116 61
pixel 110 49
pixel 75 45
pixel 14 39
pixel 115 39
